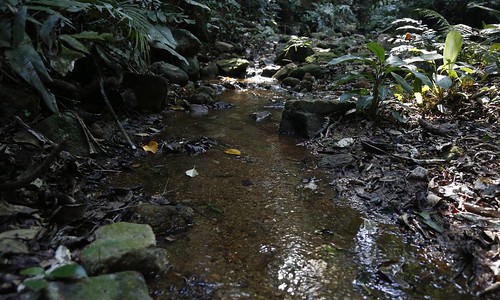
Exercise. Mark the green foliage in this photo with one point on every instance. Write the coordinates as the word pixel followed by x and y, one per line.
pixel 40 36
pixel 38 279
pixel 380 68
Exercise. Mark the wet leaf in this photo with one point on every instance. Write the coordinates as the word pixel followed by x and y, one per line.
pixel 232 151
pixel 36 284
pixel 192 172
pixel 430 222
pixel 70 271
pixel 32 271
pixel 151 147
pixel 331 250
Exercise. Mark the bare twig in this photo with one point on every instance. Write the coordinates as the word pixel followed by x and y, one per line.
pixel 28 176
pixel 108 104
pixel 42 138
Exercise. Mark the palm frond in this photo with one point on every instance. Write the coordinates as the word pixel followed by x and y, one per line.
pixel 442 24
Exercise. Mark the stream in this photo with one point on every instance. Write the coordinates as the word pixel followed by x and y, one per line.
pixel 267 225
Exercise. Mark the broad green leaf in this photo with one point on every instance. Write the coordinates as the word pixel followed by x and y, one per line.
pixel 443 81
pixel 364 102
pixel 377 50
pixel 430 222
pixel 198 4
pixel 425 80
pixel 406 86
pixel 45 31
pixel 19 28
pixel 350 57
pixel 74 43
pixel 452 47
pixel 395 61
pixel 64 63
pixel 32 271
pixel 36 284
pixel 383 92
pixel 69 271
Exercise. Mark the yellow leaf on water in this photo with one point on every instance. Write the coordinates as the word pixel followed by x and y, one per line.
pixel 232 151
pixel 151 147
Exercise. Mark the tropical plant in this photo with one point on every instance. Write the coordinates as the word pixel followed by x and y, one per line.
pixel 379 69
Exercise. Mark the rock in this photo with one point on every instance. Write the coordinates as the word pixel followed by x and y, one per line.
pixel 188 45
pixel 198 109
pixel 261 115
pixel 296 52
pixel 336 161
pixel 200 98
pixel 211 70
pixel 419 174
pixel 124 246
pixel 224 47
pixel 234 67
pixel 150 91
pixel 269 71
pixel 164 219
pixel 207 90
pixel 56 127
pixel 313 69
pixel 192 68
pixel 306 116
pixel 290 82
pixel 117 286
pixel 173 73
pixel 283 72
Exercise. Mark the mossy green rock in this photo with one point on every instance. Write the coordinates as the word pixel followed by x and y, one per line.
pixel 121 246
pixel 234 67
pixel 313 69
pixel 123 285
pixel 57 126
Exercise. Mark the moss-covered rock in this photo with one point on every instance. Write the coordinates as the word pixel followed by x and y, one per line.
pixel 233 67
pixel 123 285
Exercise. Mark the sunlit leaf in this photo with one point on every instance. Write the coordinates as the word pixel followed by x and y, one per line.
pixel 151 147
pixel 192 172
pixel 377 50
pixel 452 47
pixel 232 151
pixel 406 86
pixel 443 81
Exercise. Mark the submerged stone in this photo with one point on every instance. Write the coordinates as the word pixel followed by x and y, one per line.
pixel 117 286
pixel 164 219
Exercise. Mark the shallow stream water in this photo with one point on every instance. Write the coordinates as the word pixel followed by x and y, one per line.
pixel 268 225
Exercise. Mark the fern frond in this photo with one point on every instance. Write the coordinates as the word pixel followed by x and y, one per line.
pixel 442 24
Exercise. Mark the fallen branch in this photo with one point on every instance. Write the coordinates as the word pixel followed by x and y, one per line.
pixel 435 129
pixel 483 211
pixel 108 104
pixel 27 177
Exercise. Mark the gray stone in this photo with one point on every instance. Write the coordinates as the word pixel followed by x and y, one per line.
pixel 283 72
pixel 269 71
pixel 233 67
pixel 210 71
pixel 336 161
pixel 290 82
pixel 198 109
pixel 224 47
pixel 305 117
pixel 173 73
pixel 188 45
pixel 117 286
pixel 164 219
pixel 123 246
pixel 313 69
pixel 419 174
pixel 56 127
pixel 207 90
pixel 192 68
pixel 200 98
pixel 150 91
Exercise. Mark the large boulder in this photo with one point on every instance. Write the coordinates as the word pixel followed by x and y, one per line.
pixel 306 117
pixel 192 68
pixel 188 45
pixel 233 67
pixel 173 73
pixel 285 71
pixel 296 52
pixel 124 246
pixel 315 70
pixel 123 285
pixel 150 91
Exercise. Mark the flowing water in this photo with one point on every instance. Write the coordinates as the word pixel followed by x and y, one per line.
pixel 267 224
